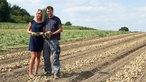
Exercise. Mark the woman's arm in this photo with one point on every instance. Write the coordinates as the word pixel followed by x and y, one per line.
pixel 29 28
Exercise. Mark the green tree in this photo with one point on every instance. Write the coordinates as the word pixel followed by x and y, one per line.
pixel 124 29
pixel 45 14
pixel 16 10
pixel 19 14
pixel 68 23
pixel 4 11
pixel 13 14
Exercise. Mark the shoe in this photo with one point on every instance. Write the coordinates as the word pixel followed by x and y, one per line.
pixel 56 77
pixel 48 74
pixel 31 76
pixel 35 73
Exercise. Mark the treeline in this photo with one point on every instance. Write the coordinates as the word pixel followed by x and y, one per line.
pixel 13 14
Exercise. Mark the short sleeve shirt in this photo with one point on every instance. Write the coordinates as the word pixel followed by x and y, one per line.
pixel 53 24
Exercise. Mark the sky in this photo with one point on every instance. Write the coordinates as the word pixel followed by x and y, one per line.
pixel 98 14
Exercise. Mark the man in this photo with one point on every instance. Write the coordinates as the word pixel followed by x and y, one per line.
pixel 51 44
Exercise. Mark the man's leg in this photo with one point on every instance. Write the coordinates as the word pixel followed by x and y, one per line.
pixel 46 56
pixel 56 52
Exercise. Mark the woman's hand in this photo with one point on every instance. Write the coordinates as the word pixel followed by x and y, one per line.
pixel 33 34
pixel 41 33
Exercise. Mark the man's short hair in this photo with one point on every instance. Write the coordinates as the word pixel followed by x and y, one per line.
pixel 49 7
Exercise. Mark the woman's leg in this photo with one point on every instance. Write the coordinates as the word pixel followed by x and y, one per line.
pixel 31 63
pixel 37 62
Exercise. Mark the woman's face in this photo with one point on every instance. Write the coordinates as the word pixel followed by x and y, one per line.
pixel 39 14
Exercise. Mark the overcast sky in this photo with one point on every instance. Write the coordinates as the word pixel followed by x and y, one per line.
pixel 99 14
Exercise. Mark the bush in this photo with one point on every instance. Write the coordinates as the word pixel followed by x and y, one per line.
pixel 124 29
pixel 68 23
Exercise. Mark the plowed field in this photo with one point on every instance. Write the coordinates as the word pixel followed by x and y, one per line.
pixel 118 58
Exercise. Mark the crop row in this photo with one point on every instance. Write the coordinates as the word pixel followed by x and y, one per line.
pixel 112 51
pixel 93 57
pixel 75 50
pixel 98 45
pixel 131 71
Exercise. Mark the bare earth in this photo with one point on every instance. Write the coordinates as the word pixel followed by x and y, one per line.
pixel 118 58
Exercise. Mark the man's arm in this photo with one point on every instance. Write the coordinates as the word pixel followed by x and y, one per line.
pixel 58 31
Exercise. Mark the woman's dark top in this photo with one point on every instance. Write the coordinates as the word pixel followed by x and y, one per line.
pixel 36 42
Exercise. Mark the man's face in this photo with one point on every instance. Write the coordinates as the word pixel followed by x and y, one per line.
pixel 49 12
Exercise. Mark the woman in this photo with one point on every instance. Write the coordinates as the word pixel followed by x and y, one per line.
pixel 35 29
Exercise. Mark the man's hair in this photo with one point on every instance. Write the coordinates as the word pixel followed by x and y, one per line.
pixel 49 7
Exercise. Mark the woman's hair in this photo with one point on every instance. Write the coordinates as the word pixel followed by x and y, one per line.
pixel 35 17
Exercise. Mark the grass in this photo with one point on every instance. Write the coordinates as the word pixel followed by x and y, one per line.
pixel 68 35
pixel 14 35
pixel 5 25
pixel 13 38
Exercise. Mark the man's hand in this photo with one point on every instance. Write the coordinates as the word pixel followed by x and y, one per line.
pixel 49 33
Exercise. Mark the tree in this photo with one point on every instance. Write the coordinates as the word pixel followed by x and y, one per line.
pixel 13 14
pixel 4 11
pixel 68 23
pixel 45 14
pixel 124 29
pixel 19 14
pixel 16 10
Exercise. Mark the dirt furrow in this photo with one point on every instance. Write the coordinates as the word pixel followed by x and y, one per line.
pixel 130 72
pixel 72 69
pixel 93 59
pixel 101 64
pixel 108 71
pixel 19 75
pixel 21 64
pixel 25 54
pixel 65 47
pixel 97 46
pixel 76 44
pixel 15 59
pixel 94 55
pixel 142 77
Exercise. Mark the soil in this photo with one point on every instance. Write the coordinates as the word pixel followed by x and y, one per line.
pixel 93 60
